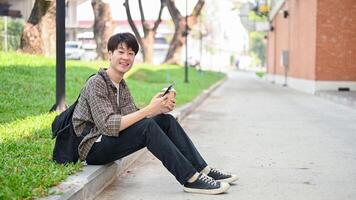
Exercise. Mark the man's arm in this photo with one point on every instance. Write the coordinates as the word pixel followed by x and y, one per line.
pixel 157 106
pixel 111 123
pixel 105 118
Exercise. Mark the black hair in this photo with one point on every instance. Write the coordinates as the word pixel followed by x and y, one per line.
pixel 126 38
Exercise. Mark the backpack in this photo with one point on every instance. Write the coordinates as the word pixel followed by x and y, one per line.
pixel 66 145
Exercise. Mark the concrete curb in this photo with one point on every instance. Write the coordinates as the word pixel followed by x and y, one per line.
pixel 186 109
pixel 92 180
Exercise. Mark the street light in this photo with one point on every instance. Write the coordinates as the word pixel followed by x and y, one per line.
pixel 186 43
pixel 60 57
pixel 201 42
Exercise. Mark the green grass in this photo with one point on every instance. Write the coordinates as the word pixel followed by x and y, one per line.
pixel 27 92
pixel 260 74
pixel 145 82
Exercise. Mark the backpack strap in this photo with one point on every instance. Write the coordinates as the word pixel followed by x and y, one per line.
pixel 88 125
pixel 83 87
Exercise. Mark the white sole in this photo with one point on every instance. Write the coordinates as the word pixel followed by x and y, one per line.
pixel 229 180
pixel 224 187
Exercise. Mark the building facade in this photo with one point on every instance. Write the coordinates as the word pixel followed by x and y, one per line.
pixel 312 44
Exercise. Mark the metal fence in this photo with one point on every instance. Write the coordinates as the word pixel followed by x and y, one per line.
pixel 10 33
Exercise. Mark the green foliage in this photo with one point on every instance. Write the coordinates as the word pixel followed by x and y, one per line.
pixel 253 16
pixel 146 82
pixel 14 32
pixel 257 48
pixel 232 59
pixel 260 74
pixel 27 92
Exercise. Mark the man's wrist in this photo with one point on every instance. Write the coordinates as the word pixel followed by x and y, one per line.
pixel 145 112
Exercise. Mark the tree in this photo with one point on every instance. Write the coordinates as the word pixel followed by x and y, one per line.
pixel 149 31
pixel 13 34
pixel 178 39
pixel 39 34
pixel 103 26
pixel 257 48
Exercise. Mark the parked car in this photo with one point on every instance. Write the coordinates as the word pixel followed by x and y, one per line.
pixel 89 52
pixel 74 50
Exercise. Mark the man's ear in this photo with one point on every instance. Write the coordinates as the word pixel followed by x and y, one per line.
pixel 109 55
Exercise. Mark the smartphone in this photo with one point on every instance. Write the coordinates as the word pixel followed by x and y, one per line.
pixel 168 89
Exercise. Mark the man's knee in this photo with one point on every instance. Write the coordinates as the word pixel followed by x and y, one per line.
pixel 164 118
pixel 148 121
pixel 170 117
pixel 152 124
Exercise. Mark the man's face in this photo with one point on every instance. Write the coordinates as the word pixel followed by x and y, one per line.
pixel 122 58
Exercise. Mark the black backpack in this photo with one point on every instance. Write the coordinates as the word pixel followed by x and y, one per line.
pixel 66 145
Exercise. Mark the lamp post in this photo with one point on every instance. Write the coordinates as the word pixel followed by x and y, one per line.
pixel 5 35
pixel 186 43
pixel 200 42
pixel 60 56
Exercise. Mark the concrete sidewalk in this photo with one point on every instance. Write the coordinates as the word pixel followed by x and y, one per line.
pixel 283 144
pixel 347 98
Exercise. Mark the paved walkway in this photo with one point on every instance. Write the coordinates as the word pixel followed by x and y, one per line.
pixel 283 144
pixel 347 98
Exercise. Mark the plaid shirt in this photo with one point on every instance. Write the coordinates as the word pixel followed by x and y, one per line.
pixel 98 105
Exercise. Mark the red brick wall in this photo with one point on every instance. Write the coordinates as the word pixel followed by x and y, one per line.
pixel 336 41
pixel 302 38
pixel 282 35
pixel 297 34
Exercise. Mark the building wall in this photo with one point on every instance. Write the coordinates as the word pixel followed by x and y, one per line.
pixel 25 6
pixel 297 35
pixel 281 34
pixel 302 17
pixel 336 41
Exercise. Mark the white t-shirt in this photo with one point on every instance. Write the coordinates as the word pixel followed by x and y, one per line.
pixel 117 85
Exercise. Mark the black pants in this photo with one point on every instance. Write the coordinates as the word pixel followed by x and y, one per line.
pixel 163 136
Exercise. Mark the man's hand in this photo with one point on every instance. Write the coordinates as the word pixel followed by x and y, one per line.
pixel 157 105
pixel 170 103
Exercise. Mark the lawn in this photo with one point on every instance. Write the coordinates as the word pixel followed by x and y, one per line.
pixel 27 92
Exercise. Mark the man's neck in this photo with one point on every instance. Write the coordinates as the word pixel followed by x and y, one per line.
pixel 114 75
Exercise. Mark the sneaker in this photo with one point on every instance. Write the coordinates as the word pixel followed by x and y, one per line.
pixel 219 176
pixel 206 185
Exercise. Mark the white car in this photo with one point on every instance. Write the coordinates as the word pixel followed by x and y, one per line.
pixel 74 50
pixel 89 52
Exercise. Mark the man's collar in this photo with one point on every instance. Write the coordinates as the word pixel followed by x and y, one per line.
pixel 107 79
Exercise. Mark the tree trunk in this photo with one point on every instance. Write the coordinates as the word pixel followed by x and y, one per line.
pixel 39 33
pixel 147 47
pixel 147 41
pixel 178 40
pixel 103 27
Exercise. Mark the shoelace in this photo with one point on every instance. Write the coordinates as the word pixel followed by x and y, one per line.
pixel 218 172
pixel 208 180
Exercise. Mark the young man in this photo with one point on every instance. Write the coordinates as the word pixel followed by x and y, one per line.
pixel 115 127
